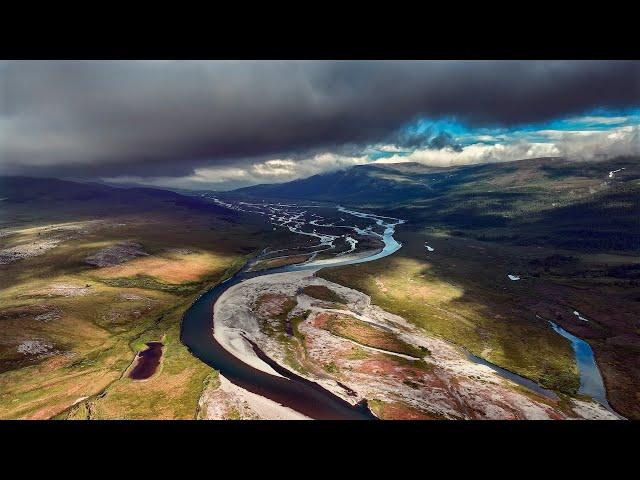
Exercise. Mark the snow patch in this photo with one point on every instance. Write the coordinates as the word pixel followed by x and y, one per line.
pixel 613 172
pixel 577 314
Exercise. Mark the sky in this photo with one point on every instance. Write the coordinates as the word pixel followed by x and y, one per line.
pixel 225 124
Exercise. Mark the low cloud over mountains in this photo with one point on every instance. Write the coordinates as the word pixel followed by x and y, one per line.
pixel 194 123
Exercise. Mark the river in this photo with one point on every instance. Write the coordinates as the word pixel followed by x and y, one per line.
pixel 294 391
pixel 591 383
pixel 303 395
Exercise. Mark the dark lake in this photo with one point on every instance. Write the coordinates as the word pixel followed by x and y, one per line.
pixel 148 361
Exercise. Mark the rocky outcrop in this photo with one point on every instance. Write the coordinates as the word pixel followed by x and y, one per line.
pixel 116 254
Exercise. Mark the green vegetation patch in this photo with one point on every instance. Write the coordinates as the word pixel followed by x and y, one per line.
pixel 369 335
pixel 151 283
pixel 331 367
pixel 398 410
pixel 273 311
pixel 295 322
pixel 408 288
pixel 279 262
pixel 322 292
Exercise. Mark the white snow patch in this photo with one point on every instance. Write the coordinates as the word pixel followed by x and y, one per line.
pixel 577 314
pixel 613 172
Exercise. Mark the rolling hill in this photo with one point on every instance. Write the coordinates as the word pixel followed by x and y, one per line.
pixel 25 199
pixel 547 200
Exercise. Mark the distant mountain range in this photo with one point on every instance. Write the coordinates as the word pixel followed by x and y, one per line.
pixel 383 183
pixel 578 205
pixel 53 198
pixel 570 203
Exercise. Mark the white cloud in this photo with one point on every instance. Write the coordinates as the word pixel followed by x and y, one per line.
pixel 579 145
pixel 575 144
pixel 274 168
pixel 268 171
pixel 615 142
pixel 598 119
pixel 477 153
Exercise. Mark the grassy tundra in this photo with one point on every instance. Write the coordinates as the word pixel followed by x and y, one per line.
pixel 70 330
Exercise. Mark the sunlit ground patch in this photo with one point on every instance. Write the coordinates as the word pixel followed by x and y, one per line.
pixel 279 262
pixel 171 267
pixel 365 334
pixel 322 292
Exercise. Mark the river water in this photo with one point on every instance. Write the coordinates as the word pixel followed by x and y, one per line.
pixel 295 392
pixel 305 396
pixel 591 383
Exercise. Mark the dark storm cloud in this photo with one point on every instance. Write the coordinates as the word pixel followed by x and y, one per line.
pixel 444 140
pixel 425 139
pixel 165 118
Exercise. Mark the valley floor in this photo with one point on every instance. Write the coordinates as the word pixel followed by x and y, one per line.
pixel 460 291
pixel 359 351
pixel 80 300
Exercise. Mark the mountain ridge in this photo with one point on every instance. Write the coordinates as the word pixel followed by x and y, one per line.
pixel 572 204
